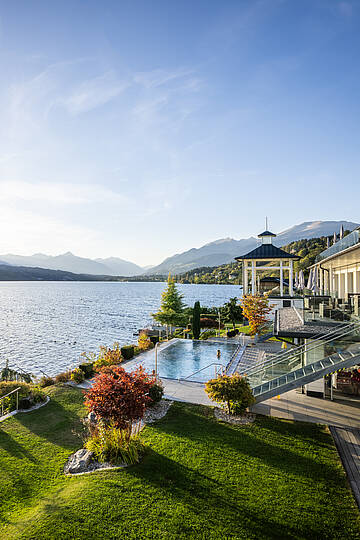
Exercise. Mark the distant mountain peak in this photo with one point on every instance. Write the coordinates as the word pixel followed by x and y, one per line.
pixel 223 251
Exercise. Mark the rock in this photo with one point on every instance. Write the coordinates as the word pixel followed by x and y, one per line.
pixel 78 462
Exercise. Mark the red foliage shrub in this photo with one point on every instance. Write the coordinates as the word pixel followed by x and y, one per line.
pixel 206 322
pixel 120 396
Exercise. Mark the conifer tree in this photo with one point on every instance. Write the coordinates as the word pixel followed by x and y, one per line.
pixel 171 311
pixel 196 321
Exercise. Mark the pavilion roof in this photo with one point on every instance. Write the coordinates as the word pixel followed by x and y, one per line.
pixel 266 233
pixel 267 251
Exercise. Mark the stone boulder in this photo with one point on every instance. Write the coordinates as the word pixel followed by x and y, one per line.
pixel 79 462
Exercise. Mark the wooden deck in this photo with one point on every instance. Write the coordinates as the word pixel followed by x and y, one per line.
pixel 347 441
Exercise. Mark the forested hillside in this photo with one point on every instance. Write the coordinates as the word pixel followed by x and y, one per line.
pixel 307 249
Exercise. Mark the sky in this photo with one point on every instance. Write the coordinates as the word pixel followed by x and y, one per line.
pixel 140 129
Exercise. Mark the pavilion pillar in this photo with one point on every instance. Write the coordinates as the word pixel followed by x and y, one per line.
pixel 281 279
pixel 253 278
pixel 246 278
pixel 291 278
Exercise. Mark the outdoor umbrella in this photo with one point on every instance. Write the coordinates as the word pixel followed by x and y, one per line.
pixel 328 242
pixel 334 242
pixel 309 283
pixel 301 280
pixel 296 283
pixel 314 286
pixel 341 232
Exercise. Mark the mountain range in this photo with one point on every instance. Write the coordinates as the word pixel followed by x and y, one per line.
pixel 67 262
pixel 223 251
pixel 212 254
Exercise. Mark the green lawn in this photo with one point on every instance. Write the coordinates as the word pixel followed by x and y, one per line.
pixel 199 479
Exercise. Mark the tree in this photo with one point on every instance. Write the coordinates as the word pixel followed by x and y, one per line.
pixel 232 311
pixel 172 307
pixel 233 390
pixel 196 321
pixel 255 309
pixel 120 397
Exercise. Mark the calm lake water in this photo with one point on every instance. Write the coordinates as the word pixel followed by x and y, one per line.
pixel 47 325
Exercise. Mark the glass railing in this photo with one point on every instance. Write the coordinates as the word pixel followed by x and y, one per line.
pixel 350 240
pixel 311 354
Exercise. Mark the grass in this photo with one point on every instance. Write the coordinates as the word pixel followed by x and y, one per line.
pixel 199 479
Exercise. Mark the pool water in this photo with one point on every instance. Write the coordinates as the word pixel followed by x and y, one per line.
pixel 184 357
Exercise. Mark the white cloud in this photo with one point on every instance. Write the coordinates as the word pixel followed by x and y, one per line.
pixel 159 77
pixel 59 193
pixel 93 93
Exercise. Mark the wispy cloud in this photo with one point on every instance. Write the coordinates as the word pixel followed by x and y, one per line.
pixel 159 77
pixel 93 93
pixel 58 193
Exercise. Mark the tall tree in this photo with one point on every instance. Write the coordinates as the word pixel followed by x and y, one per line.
pixel 171 311
pixel 196 321
pixel 232 311
pixel 256 308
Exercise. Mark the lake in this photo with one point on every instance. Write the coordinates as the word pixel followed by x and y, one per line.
pixel 47 325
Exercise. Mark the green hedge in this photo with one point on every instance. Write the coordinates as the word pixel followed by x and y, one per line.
pixel 127 352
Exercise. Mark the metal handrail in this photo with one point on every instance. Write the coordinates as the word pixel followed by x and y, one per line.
pixel 202 369
pixel 340 331
pixel 240 348
pixel 7 395
pixel 279 358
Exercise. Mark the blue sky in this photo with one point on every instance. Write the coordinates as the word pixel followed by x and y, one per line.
pixel 140 129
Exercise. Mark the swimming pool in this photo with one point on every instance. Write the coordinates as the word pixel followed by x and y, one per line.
pixel 183 357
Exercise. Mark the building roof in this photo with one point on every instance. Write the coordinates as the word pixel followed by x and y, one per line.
pixel 266 233
pixel 267 251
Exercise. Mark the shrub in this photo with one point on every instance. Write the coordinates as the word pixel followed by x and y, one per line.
pixel 120 396
pixel 9 386
pixel 46 381
pixel 37 395
pixel 207 334
pixel 77 375
pixel 108 357
pixel 127 352
pixel 88 369
pixel 206 322
pixel 156 392
pixel 63 377
pixel 144 342
pixel 137 350
pixel 28 395
pixel 232 390
pixel 112 444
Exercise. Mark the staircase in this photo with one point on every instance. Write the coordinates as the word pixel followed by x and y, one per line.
pixel 306 374
pixel 276 374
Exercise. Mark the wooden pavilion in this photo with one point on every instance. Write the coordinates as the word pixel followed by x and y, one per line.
pixel 267 257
